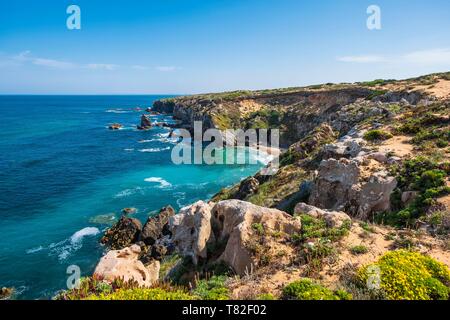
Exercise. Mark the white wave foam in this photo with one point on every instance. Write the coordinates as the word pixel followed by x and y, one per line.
pixel 65 248
pixel 154 149
pixel 34 250
pixel 163 135
pixel 129 192
pixel 163 183
pixel 86 232
pixel 117 111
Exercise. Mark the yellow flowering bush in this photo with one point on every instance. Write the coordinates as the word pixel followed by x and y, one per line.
pixel 143 294
pixel 408 275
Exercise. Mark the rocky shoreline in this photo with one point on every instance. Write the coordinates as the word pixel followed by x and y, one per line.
pixel 364 175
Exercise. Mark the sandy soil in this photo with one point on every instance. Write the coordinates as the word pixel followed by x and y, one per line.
pixel 399 145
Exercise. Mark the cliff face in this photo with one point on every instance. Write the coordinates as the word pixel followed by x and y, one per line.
pixel 366 172
pixel 296 112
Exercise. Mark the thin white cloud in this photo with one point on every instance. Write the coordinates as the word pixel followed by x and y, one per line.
pixel 53 63
pixel 102 66
pixel 166 68
pixel 437 57
pixel 26 56
pixel 434 56
pixel 362 59
pixel 139 67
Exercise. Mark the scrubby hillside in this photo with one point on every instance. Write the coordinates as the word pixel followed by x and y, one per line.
pixel 359 208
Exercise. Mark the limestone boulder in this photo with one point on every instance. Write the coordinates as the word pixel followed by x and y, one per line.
pixel 233 222
pixel 191 230
pixel 334 183
pixel 350 186
pixel 124 264
pixel 375 194
pixel 333 219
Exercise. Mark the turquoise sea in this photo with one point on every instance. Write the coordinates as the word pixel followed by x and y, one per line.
pixel 64 178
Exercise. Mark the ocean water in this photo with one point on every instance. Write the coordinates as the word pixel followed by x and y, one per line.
pixel 64 178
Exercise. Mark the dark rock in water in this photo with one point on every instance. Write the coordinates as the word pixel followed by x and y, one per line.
pixel 145 123
pixel 157 226
pixel 158 251
pixel 152 112
pixel 115 126
pixel 129 211
pixel 124 233
pixel 248 187
pixel 6 293
pixel 162 124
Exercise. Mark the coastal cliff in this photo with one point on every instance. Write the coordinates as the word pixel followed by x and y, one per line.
pixel 363 183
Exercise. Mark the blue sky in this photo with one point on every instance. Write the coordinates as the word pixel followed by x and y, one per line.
pixel 193 46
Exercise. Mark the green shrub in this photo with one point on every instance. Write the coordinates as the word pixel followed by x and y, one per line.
pixel 212 289
pixel 258 228
pixel 306 289
pixel 418 174
pixel 376 93
pixel 367 227
pixel 314 228
pixel 377 135
pixel 266 296
pixel 417 123
pixel 356 250
pixel 374 83
pixel 143 294
pixel 408 275
pixel 430 179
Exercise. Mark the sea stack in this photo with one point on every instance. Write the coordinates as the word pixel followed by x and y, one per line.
pixel 145 123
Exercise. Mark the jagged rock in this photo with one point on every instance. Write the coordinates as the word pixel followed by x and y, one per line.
pixel 349 146
pixel 125 232
pixel 124 264
pixel 166 241
pixel 333 219
pixel 340 186
pixel 247 187
pixel 191 230
pixel 6 293
pixel 333 183
pixel 409 196
pixel 156 226
pixel 233 222
pixel 145 123
pixel 378 156
pixel 115 126
pixel 394 160
pixel 375 194
pixel 161 124
pixel 319 136
pixel 158 251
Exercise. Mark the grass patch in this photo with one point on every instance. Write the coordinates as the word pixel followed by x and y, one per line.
pixel 358 250
pixel 377 135
pixel 212 289
pixel 307 289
